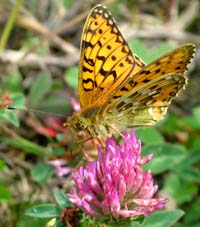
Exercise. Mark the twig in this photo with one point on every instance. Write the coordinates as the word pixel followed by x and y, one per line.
pixel 152 28
pixel 32 23
pixel 15 161
pixel 161 33
pixel 77 19
pixel 34 60
pixel 186 17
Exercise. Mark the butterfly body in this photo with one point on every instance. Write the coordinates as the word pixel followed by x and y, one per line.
pixel 116 89
pixel 87 121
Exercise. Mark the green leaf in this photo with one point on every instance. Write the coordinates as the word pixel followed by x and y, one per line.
pixel 193 121
pixel 62 199
pixel 148 54
pixel 149 135
pixel 56 104
pixel 11 115
pixel 170 124
pixel 40 87
pixel 58 151
pixel 2 165
pixel 71 77
pixel 42 172
pixel 67 3
pixel 18 99
pixel 135 224
pixel 194 141
pixel 4 193
pixel 163 218
pixel 61 136
pixel 26 221
pixel 190 159
pixel 25 145
pixel 59 224
pixel 192 212
pixel 139 48
pixel 179 189
pixel 196 113
pixel 190 122
pixel 44 211
pixel 13 82
pixel 166 156
pixel 191 174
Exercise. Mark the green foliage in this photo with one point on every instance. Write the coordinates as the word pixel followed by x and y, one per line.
pixel 42 172
pixel 62 199
pixel 163 218
pixel 10 23
pixel 25 145
pixel 179 188
pixel 166 156
pixel 2 165
pixel 13 82
pixel 71 77
pixel 190 124
pixel 43 211
pixel 58 151
pixel 196 114
pixel 51 210
pixel 67 3
pixel 145 53
pixel 59 224
pixel 4 193
pixel 9 115
pixel 148 135
pixel 40 87
pixel 192 213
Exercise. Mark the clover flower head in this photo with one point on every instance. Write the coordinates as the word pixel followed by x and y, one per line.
pixel 115 185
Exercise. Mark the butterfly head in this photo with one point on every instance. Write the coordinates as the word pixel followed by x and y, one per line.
pixel 77 123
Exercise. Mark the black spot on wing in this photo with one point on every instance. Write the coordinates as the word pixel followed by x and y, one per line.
pixel 157 70
pixel 147 72
pixel 124 89
pixel 87 81
pixel 99 43
pixel 102 58
pixel 86 44
pixel 133 83
pixel 85 69
pixel 89 61
pixel 177 67
pixel 146 80
pixel 107 73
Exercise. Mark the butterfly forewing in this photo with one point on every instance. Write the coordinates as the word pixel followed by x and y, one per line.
pixel 106 60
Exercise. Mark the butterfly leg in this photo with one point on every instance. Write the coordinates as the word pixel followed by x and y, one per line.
pixel 108 127
pixel 85 139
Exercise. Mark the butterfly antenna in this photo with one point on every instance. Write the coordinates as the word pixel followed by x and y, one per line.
pixel 35 111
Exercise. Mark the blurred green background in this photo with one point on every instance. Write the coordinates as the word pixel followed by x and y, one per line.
pixel 39 56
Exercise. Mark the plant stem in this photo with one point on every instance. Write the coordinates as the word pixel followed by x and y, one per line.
pixel 9 24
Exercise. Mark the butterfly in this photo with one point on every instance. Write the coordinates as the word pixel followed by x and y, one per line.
pixel 116 89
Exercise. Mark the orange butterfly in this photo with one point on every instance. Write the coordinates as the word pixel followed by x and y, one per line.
pixel 116 89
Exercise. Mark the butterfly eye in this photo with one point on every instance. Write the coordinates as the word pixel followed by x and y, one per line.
pixel 80 125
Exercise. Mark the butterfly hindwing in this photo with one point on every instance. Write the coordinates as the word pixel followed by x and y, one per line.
pixel 146 95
